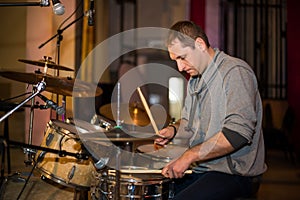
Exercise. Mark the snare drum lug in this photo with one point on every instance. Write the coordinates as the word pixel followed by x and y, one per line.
pixel 131 189
pixel 71 173
pixel 41 156
pixel 49 139
pixel 171 190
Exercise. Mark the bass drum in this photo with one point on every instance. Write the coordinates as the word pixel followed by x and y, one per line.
pixel 67 170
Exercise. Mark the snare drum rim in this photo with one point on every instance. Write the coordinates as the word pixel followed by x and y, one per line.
pixel 133 178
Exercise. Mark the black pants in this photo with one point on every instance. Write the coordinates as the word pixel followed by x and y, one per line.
pixel 215 185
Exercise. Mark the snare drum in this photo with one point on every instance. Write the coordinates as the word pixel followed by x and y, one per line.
pixel 132 186
pixel 67 170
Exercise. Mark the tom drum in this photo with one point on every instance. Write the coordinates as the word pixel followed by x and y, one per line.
pixel 66 170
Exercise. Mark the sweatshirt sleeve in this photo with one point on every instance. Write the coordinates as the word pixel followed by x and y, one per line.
pixel 240 90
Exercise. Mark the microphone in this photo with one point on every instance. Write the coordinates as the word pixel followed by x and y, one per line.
pixel 58 8
pixel 91 13
pixel 50 104
pixel 101 163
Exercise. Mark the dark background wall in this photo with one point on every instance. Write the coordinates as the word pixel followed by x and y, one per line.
pixel 293 52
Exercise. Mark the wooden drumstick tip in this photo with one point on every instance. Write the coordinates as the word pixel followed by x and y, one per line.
pixel 158 146
pixel 149 112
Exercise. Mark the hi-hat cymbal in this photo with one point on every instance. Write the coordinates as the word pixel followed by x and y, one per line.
pixel 130 114
pixel 42 63
pixel 117 135
pixel 63 86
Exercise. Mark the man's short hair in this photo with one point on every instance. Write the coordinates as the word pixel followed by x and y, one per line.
pixel 186 32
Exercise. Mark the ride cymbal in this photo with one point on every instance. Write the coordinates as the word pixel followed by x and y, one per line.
pixel 137 116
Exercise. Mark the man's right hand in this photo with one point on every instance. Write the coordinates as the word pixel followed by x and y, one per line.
pixel 168 134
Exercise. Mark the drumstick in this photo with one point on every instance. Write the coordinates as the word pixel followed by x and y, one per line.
pixel 147 171
pixel 148 112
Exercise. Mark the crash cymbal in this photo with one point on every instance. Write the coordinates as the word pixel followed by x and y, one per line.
pixel 129 114
pixel 42 63
pixel 80 89
pixel 63 86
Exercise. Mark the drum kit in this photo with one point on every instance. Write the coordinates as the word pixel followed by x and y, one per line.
pixel 89 155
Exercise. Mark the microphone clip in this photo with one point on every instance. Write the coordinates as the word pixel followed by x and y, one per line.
pixel 45 3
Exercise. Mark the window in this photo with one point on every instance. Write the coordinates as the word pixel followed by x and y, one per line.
pixel 255 30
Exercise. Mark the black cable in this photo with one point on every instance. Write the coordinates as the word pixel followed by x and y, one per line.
pixel 16 96
pixel 79 5
pixel 26 182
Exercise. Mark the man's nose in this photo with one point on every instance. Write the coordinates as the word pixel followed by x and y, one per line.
pixel 180 65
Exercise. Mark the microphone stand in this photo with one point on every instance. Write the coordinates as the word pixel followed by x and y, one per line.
pixel 42 3
pixel 60 31
pixel 59 39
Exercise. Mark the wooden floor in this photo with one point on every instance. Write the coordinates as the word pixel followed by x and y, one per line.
pixel 281 181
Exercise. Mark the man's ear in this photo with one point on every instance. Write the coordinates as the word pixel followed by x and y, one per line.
pixel 200 44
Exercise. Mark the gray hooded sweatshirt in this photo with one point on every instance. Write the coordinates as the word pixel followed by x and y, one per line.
pixel 225 96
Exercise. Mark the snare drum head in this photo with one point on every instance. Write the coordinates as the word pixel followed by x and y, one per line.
pixel 169 152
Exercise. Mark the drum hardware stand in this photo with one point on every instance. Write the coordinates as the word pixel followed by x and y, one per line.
pixel 29 156
pixel 39 88
pixel 61 153
pixel 79 194
pixel 118 157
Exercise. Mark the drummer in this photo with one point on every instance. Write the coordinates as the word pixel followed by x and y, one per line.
pixel 221 118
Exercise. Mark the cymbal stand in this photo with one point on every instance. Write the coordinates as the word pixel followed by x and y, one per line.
pixel 37 89
pixel 118 157
pixel 118 104
pixel 28 159
pixel 30 154
pixel 59 39
pixel 118 174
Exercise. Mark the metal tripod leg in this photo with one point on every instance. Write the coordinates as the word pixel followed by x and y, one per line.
pixel 28 160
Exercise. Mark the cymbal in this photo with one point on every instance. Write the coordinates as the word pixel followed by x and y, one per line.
pixel 130 114
pixel 63 86
pixel 118 135
pixel 80 89
pixel 42 63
